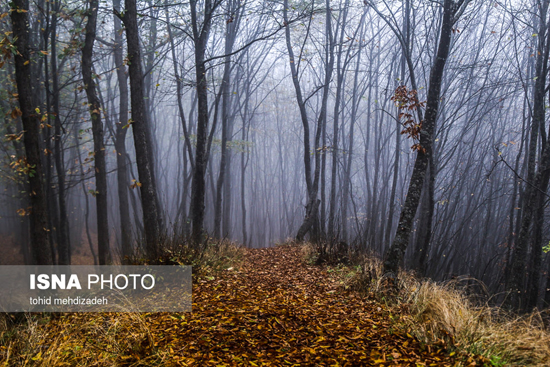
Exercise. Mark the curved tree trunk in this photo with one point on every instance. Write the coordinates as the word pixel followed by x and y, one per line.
pixel 312 183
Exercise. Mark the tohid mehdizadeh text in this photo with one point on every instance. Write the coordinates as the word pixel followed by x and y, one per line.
pixel 68 301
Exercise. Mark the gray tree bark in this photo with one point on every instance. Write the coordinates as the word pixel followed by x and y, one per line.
pixel 120 138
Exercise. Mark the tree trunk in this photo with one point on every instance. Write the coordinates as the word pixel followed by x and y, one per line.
pixel 396 252
pixel 518 269
pixel 198 189
pixel 312 207
pixel 120 138
pixel 38 215
pixel 425 223
pixel 182 212
pixel 335 129
pixel 141 131
pixel 86 201
pixel 230 34
pixel 63 239
pixel 149 61
pixel 47 137
pixel 547 292
pixel 94 105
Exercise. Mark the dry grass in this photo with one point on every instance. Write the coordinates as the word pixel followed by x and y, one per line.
pixel 212 256
pixel 106 339
pixel 215 256
pixel 442 314
pixel 103 339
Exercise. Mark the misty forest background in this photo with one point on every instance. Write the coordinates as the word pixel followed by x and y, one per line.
pixel 414 130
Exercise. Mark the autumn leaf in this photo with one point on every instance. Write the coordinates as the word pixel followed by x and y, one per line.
pixel 271 310
pixel 16 112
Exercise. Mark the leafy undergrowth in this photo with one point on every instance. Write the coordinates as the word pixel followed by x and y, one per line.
pixel 273 310
pixel 442 314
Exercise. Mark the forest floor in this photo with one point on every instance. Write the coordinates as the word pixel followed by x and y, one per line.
pixel 273 309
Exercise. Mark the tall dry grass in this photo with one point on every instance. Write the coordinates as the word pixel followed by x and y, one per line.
pixel 442 313
pixel 95 339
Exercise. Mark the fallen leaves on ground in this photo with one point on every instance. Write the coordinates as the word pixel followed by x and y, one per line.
pixel 273 310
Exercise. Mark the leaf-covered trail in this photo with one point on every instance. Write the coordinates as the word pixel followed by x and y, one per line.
pixel 277 310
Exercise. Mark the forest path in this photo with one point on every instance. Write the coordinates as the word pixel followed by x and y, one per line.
pixel 278 310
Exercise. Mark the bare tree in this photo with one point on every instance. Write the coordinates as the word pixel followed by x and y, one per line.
pixel 223 184
pixel 311 218
pixel 200 39
pixel 451 13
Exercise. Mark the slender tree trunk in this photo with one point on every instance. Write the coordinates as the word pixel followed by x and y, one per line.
pixel 227 224
pixel 198 189
pixel 179 91
pixel 149 103
pixel 94 106
pixel 120 138
pixel 398 128
pixel 301 104
pixel 230 34
pixel 335 129
pixel 187 144
pixel 245 154
pixel 53 218
pixel 86 201
pixel 141 131
pixel 405 47
pixel 63 239
pixel 355 106
pixel 38 216
pixel 515 202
